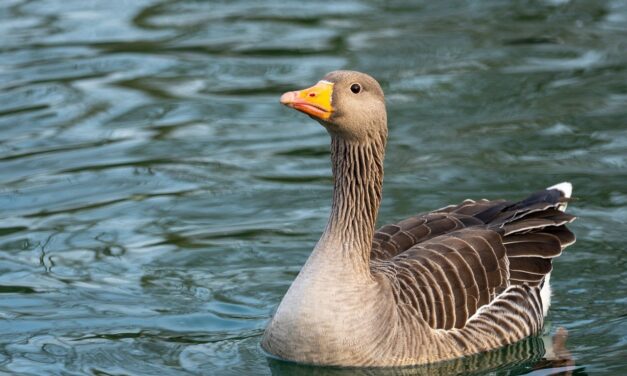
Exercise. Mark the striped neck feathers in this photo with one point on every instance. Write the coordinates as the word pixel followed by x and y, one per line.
pixel 358 176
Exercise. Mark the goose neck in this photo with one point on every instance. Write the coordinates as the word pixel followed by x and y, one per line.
pixel 358 177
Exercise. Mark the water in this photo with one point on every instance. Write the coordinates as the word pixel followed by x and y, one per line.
pixel 157 201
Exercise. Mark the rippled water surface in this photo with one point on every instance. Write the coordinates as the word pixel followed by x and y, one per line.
pixel 157 201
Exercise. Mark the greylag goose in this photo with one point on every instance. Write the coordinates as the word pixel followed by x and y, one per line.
pixel 456 281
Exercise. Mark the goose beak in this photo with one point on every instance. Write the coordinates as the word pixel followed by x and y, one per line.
pixel 314 101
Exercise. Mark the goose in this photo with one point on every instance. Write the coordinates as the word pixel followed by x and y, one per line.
pixel 460 280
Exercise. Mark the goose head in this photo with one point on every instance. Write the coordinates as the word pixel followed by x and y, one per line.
pixel 348 104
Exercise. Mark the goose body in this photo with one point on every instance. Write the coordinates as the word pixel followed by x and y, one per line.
pixel 456 281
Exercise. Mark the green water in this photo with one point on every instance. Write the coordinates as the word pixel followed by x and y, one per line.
pixel 157 201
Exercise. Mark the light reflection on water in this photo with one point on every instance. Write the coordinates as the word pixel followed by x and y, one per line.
pixel 157 201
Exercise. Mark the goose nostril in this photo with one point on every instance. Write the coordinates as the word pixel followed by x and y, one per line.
pixel 312 94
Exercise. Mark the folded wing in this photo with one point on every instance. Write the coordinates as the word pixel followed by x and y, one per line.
pixel 451 265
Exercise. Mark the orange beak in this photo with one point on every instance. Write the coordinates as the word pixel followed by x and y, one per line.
pixel 314 101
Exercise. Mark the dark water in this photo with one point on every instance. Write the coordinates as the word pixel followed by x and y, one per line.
pixel 157 201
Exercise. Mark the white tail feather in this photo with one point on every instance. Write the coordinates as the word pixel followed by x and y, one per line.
pixel 567 190
pixel 545 294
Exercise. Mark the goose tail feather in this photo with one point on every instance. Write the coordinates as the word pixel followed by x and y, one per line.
pixel 565 189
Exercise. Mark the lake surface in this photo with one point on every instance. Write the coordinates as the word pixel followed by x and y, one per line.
pixel 157 201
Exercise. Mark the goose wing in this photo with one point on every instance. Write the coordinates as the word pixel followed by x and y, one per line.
pixel 393 239
pixel 455 264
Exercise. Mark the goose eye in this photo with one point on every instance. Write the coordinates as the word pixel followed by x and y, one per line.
pixel 355 88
